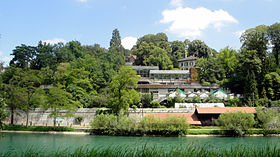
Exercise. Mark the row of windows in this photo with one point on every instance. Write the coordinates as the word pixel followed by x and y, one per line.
pixel 170 76
pixel 187 64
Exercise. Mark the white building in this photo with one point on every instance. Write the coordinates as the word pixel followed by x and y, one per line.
pixel 187 63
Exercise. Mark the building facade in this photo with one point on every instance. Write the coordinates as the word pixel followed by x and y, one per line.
pixel 187 63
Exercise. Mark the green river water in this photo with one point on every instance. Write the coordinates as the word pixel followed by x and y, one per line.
pixel 19 142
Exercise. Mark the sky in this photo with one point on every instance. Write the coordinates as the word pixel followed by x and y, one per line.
pixel 219 23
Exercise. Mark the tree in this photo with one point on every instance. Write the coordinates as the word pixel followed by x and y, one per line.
pixel 268 120
pixel 3 111
pixel 272 85
pixel 227 58
pixel 122 94
pixel 23 56
pixel 251 67
pixel 159 40
pixel 27 82
pixel 57 100
pixel 236 123
pixel 256 39
pixel 158 57
pixel 179 51
pixel 116 39
pixel 274 38
pixel 44 56
pixel 199 49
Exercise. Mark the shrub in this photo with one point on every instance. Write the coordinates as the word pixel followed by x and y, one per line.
pixel 79 119
pixel 154 104
pixel 236 123
pixel 114 125
pixel 173 125
pixel 150 125
pixel 269 120
pixel 3 112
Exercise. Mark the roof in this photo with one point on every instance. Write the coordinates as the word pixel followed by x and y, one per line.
pixel 219 110
pixel 145 67
pixel 190 58
pixel 216 90
pixel 189 105
pixel 190 117
pixel 180 90
pixel 169 71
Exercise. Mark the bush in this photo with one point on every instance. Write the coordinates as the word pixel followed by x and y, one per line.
pixel 3 112
pixel 79 119
pixel 36 128
pixel 110 124
pixel 154 104
pixel 269 120
pixel 149 125
pixel 236 123
pixel 275 103
pixel 173 125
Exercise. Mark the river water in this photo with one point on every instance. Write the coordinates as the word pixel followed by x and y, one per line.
pixel 20 142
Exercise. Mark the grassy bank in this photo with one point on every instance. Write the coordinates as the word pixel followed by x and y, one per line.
pixel 190 150
pixel 36 128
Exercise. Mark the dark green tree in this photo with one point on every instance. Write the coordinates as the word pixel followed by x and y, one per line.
pixel 179 51
pixel 199 49
pixel 116 39
pixel 274 38
pixel 23 56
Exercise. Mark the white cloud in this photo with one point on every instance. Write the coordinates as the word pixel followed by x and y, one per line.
pixel 176 3
pixel 189 22
pixel 54 41
pixel 238 33
pixel 129 42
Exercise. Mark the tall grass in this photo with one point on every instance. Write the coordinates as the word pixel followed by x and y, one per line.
pixel 36 128
pixel 105 124
pixel 144 151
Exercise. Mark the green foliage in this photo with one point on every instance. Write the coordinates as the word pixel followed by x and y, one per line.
pixel 172 125
pixel 269 120
pixel 272 85
pixel 171 101
pixel 36 128
pixel 3 111
pixel 58 99
pixel 146 99
pixel 236 123
pixel 199 49
pixel 178 51
pixel 122 94
pixel 235 102
pixel 108 124
pixel 154 104
pixel 159 57
pixel 269 149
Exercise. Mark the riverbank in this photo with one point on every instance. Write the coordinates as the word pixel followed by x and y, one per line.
pixel 191 134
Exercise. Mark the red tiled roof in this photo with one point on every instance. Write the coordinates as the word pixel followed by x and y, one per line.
pixel 191 117
pixel 218 110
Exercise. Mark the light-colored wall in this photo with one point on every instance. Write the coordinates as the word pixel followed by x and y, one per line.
pixel 40 117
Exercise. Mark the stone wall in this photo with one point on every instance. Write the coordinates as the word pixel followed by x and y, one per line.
pixel 40 117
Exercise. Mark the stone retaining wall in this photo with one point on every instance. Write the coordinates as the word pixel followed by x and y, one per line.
pixel 40 117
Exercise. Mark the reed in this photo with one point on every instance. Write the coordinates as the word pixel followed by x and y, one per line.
pixel 145 151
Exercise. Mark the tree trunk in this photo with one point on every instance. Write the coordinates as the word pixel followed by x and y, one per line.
pixel 12 116
pixel 27 118
pixel 54 122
